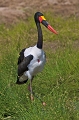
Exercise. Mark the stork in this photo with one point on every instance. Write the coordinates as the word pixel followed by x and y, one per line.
pixel 32 60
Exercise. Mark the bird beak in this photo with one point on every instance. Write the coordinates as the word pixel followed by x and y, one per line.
pixel 46 24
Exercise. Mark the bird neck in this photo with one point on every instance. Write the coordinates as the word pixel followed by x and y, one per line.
pixel 40 36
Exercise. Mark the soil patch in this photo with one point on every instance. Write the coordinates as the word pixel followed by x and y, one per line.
pixel 12 11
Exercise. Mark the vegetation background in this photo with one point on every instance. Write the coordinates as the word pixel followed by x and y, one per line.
pixel 58 84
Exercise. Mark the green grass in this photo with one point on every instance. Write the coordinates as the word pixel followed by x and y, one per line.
pixel 57 85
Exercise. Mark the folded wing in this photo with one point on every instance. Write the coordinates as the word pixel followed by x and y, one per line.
pixel 22 67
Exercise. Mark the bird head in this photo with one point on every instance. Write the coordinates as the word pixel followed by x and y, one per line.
pixel 39 18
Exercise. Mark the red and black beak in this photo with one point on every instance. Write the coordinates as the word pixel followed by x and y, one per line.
pixel 46 24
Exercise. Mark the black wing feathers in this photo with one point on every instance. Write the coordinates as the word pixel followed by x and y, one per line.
pixel 21 57
pixel 22 67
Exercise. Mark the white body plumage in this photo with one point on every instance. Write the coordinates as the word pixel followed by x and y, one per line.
pixel 37 63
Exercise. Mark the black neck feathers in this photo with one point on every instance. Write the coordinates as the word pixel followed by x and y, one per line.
pixel 40 36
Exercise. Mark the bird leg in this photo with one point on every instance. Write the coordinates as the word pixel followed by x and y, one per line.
pixel 31 92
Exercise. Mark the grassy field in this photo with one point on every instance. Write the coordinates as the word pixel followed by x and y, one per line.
pixel 57 84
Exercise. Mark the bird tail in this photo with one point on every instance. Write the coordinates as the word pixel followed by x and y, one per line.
pixel 21 80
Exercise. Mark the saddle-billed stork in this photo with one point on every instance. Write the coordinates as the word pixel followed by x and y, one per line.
pixel 32 59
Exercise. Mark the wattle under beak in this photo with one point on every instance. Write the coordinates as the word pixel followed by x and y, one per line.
pixel 46 24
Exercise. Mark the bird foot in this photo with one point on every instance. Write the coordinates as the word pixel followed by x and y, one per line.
pixel 31 97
